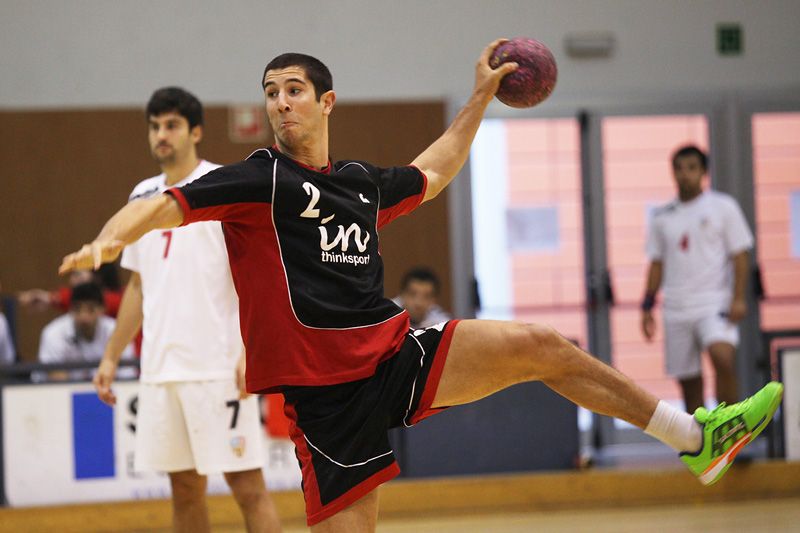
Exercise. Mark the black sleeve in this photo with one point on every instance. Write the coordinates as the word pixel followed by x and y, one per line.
pixel 402 190
pixel 227 193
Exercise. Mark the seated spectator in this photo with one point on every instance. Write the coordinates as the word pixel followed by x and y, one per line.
pixel 7 353
pixel 419 291
pixel 78 336
pixel 107 276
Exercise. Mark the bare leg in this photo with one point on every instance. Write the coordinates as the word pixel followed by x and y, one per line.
pixel 723 357
pixel 361 517
pixel 251 495
pixel 189 511
pixel 692 389
pixel 488 356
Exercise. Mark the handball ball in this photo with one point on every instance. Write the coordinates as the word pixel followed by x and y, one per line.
pixel 534 79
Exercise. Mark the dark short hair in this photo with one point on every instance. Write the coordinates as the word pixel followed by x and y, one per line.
pixel 420 274
pixel 179 100
pixel 86 292
pixel 688 151
pixel 108 276
pixel 315 70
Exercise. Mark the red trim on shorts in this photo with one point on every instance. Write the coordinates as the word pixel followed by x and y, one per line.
pixel 310 487
pixel 316 515
pixel 424 410
pixel 315 511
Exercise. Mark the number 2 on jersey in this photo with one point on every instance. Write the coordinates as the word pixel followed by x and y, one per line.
pixel 311 210
pixel 168 236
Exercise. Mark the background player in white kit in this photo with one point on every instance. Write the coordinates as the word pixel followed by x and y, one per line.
pixel 194 416
pixel 698 249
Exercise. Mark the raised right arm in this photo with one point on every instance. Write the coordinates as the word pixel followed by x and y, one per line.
pixel 126 226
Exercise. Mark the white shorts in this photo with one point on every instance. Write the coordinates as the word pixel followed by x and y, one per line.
pixel 199 425
pixel 686 339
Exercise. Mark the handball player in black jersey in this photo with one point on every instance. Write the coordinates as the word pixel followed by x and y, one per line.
pixel 302 240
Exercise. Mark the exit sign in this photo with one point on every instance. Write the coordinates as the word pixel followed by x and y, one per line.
pixel 730 40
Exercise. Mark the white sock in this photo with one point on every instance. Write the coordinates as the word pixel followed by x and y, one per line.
pixel 675 428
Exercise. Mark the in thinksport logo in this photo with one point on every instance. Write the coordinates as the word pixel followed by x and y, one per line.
pixel 343 239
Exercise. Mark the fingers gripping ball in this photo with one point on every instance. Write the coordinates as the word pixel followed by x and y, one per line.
pixel 535 78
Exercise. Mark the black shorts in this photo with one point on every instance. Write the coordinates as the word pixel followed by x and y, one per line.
pixel 340 431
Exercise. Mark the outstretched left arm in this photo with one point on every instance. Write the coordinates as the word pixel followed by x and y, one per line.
pixel 442 160
pixel 126 226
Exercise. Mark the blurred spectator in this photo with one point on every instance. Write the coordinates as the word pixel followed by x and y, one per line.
pixel 698 246
pixel 107 276
pixel 419 291
pixel 78 336
pixel 7 353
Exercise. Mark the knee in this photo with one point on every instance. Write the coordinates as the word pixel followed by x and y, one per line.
pixel 723 358
pixel 542 348
pixel 247 487
pixel 187 487
pixel 526 338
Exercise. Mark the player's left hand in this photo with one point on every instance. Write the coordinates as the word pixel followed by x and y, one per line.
pixel 737 311
pixel 91 256
pixel 241 382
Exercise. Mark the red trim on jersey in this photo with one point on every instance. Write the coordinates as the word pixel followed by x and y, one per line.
pixel 424 181
pixel 406 206
pixel 182 202
pixel 424 410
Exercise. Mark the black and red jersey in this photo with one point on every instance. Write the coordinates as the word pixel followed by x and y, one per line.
pixel 304 254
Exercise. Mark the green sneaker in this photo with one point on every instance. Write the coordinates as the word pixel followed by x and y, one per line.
pixel 728 428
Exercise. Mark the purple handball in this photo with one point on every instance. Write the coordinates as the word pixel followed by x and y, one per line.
pixel 535 78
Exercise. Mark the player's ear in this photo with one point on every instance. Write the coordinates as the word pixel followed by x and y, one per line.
pixel 327 100
pixel 197 134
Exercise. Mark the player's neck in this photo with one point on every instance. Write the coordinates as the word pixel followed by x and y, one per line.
pixel 179 171
pixel 315 156
pixel 689 196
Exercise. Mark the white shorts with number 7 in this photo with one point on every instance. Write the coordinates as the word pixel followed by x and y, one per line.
pixel 199 425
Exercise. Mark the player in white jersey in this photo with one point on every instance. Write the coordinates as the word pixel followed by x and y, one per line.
pixel 194 416
pixel 698 249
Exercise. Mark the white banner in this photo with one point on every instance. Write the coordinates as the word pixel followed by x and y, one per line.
pixel 790 362
pixel 60 445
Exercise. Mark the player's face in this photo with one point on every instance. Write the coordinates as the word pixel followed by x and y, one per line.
pixel 418 297
pixel 171 139
pixel 296 116
pixel 80 276
pixel 688 172
pixel 85 315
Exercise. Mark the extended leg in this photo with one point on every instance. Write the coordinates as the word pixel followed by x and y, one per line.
pixel 488 356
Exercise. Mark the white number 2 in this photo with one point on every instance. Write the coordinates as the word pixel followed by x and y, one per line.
pixel 311 211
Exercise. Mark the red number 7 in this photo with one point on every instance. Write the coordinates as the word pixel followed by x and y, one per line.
pixel 167 235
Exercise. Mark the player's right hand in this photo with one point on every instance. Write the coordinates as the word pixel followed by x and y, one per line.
pixel 91 256
pixel 648 325
pixel 103 379
pixel 486 78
